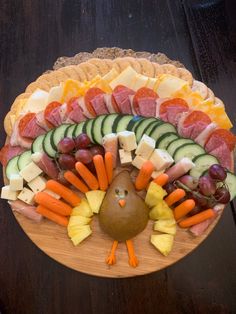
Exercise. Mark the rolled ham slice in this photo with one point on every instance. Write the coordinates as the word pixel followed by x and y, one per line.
pixel 54 117
pixel 84 109
pixel 46 164
pixel 203 136
pixel 108 103
pixel 200 228
pixel 98 104
pixel 17 140
pixel 26 210
pixel 159 101
pixel 41 121
pixel 179 169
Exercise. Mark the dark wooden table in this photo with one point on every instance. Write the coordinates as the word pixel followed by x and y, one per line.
pixel 202 35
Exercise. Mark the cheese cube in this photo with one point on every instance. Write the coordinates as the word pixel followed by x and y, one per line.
pixel 16 182
pixel 125 157
pixel 156 174
pixel 127 140
pixel 8 194
pixel 38 184
pixel 161 159
pixel 138 161
pixel 30 172
pixel 27 196
pixel 53 194
pixel 145 147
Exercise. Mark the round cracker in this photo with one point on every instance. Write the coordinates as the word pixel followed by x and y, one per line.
pixel 70 71
pixel 81 75
pixel 147 68
pixel 128 61
pixel 168 68
pixel 15 104
pixel 116 66
pixel 186 75
pixel 35 85
pixel 201 88
pixel 219 102
pixel 210 95
pixel 89 69
pixel 158 69
pixel 101 65
pixel 109 63
pixel 7 123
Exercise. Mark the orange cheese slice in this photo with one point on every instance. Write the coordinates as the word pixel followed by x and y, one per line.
pixel 71 88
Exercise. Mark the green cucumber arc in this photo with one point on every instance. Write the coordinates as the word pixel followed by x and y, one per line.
pixel 165 140
pixel 202 163
pixel 173 145
pixel 58 134
pixel 47 144
pixel 37 145
pixel 108 122
pixel 24 159
pixel 188 150
pixel 12 167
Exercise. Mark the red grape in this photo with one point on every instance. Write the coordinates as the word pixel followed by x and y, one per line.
pixel 66 145
pixel 197 209
pixel 169 187
pixel 84 156
pixel 222 195
pixel 82 141
pixel 199 199
pixel 189 181
pixel 61 179
pixel 91 167
pixel 207 186
pixel 217 172
pixel 97 150
pixel 67 161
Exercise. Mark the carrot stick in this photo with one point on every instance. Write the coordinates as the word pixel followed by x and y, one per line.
pixel 101 172
pixel 57 206
pixel 61 220
pixel 183 209
pixel 109 166
pixel 69 196
pixel 162 179
pixel 133 261
pixel 202 216
pixel 175 196
pixel 144 175
pixel 87 176
pixel 75 181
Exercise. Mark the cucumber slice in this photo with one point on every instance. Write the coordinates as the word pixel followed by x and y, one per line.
pixel 87 128
pixel 165 140
pixel 69 132
pixel 133 121
pixel 47 145
pixel 12 167
pixel 24 159
pixel 108 123
pixel 58 134
pixel 231 183
pixel 97 129
pixel 78 129
pixel 188 150
pixel 171 148
pixel 37 145
pixel 160 129
pixel 142 126
pixel 121 123
pixel 202 163
pixel 152 126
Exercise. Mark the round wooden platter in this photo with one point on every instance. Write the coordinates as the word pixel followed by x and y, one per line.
pixel 89 256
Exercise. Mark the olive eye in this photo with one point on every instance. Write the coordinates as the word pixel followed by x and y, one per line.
pixel 117 191
pixel 126 192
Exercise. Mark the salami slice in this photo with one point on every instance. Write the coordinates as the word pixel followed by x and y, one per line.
pixel 74 112
pixel 147 106
pixel 143 92
pixel 31 129
pixel 218 137
pixel 99 105
pixel 170 109
pixel 50 118
pixel 121 99
pixel 222 153
pixel 90 95
pixel 7 152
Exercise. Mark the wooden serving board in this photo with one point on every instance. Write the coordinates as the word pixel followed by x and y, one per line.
pixel 89 256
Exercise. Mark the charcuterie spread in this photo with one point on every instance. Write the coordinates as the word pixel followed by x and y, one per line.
pixel 125 144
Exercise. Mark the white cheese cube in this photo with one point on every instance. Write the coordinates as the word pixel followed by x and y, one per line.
pixel 138 161
pixel 145 147
pixel 127 140
pixel 156 174
pixel 53 194
pixel 8 194
pixel 27 196
pixel 16 182
pixel 125 157
pixel 38 184
pixel 30 172
pixel 161 159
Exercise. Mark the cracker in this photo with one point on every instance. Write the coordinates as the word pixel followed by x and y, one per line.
pixel 15 104
pixel 185 75
pixel 123 63
pixel 81 75
pixel 210 95
pixel 89 69
pixel 34 85
pixel 219 102
pixel 201 88
pixel 169 69
pixel 7 123
pixel 158 69
pixel 109 63
pixel 101 65
pixel 71 72
pixel 116 66
pixel 147 68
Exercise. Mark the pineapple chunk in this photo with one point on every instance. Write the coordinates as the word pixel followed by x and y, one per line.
pixel 95 199
pixel 166 226
pixel 83 233
pixel 155 193
pixel 163 242
pixel 78 221
pixel 161 211
pixel 83 209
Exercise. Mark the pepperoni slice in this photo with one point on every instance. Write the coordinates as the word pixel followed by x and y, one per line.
pixel 221 134
pixel 70 104
pixel 174 102
pixel 117 89
pixel 3 154
pixel 50 107
pixel 143 92
pixel 90 94
pixel 196 116
pixel 24 121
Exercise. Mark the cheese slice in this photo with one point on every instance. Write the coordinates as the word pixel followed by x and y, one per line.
pixel 169 84
pixel 124 78
pixel 16 182
pixel 71 88
pixel 145 147
pixel 138 162
pixel 27 196
pixel 38 184
pixel 36 102
pixel 30 172
pixel 111 75
pixel 55 94
pixel 151 82
pixel 140 81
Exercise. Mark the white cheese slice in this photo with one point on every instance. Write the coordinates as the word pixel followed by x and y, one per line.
pixel 125 157
pixel 16 182
pixel 140 81
pixel 38 184
pixel 8 194
pixel 55 94
pixel 151 82
pixel 161 159
pixel 36 102
pixel 169 84
pixel 111 75
pixel 138 161
pixel 53 194
pixel 30 172
pixel 124 78
pixel 145 147
pixel 27 196
pixel 127 140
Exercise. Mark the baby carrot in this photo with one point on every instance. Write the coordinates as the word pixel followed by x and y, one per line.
pixel 75 181
pixel 101 172
pixel 183 209
pixel 61 220
pixel 87 176
pixel 53 204
pixel 68 195
pixel 202 216
pixel 175 196
pixel 144 175
pixel 162 179
pixel 109 166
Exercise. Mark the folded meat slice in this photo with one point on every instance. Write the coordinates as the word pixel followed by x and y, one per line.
pixel 54 117
pixel 41 120
pixel 121 100
pixel 147 106
pixel 86 113
pixel 47 164
pixel 202 137
pixel 32 129
pixel 99 105
pixel 223 154
pixel 159 101
pixel 7 152
pixel 17 140
pixel 199 229
pixel 171 109
pixel 108 103
pixel 26 210
pixel 74 112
